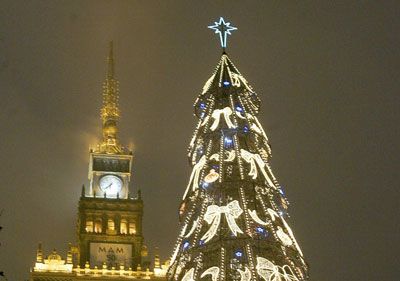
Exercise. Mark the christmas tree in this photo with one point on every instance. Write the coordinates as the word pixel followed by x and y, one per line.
pixel 233 213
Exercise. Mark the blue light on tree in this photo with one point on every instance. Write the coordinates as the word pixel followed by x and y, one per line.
pixel 228 141
pixel 260 230
pixel 226 83
pixel 186 245
pixel 238 254
pixel 283 212
pixel 239 108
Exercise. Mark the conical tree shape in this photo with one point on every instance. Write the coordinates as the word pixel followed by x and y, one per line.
pixel 233 224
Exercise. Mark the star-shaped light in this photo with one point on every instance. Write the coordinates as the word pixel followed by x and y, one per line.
pixel 223 29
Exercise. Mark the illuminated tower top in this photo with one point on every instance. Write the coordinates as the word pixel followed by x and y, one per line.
pixel 110 112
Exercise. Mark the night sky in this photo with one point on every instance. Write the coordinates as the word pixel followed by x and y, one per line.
pixel 328 77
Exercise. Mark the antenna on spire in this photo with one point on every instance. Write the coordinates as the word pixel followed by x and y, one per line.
pixel 110 112
pixel 110 60
pixel 223 29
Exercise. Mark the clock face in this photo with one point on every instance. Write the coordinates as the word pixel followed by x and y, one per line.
pixel 111 185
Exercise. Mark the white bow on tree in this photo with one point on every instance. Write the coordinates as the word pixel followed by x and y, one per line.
pixel 254 124
pixel 256 218
pixel 254 160
pixel 245 275
pixel 189 276
pixel 227 111
pixel 213 216
pixel 230 156
pixel 194 177
pixel 213 271
pixel 284 237
pixel 274 215
pixel 271 272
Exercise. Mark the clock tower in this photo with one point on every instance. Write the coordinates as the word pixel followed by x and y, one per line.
pixel 110 219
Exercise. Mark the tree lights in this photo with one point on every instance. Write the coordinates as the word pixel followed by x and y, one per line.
pixel 233 208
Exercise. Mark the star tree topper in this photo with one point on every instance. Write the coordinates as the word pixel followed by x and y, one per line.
pixel 223 29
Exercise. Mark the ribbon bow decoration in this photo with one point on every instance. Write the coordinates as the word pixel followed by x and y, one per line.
pixel 245 275
pixel 235 79
pixel 230 156
pixel 284 237
pixel 213 271
pixel 213 216
pixel 273 215
pixel 271 272
pixel 256 129
pixel 254 159
pixel 252 121
pixel 254 124
pixel 227 111
pixel 287 240
pixel 189 276
pixel 194 177
pixel 256 218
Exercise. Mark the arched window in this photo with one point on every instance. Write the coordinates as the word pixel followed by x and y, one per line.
pixel 110 224
pixel 89 226
pixel 132 227
pixel 123 227
pixel 98 226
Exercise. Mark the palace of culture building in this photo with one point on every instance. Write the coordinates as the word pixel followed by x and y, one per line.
pixel 109 224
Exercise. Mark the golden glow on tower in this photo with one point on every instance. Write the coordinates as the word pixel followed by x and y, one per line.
pixel 110 238
pixel 110 112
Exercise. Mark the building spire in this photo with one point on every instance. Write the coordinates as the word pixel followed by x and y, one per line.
pixel 110 60
pixel 110 112
pixel 39 253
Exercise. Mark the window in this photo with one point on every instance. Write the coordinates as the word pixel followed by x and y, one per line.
pixel 110 224
pixel 89 226
pixel 123 227
pixel 132 228
pixel 97 226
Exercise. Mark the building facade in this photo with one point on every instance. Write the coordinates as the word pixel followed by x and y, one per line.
pixel 109 226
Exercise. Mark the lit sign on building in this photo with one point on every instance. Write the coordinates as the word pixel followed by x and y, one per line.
pixel 112 254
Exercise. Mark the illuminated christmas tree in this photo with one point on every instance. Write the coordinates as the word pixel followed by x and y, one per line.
pixel 233 214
